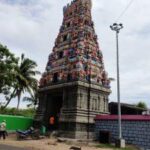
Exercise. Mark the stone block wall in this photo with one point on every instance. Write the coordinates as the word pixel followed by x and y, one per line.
pixel 135 129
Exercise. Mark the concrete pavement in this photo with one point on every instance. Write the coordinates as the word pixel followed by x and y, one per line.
pixel 6 147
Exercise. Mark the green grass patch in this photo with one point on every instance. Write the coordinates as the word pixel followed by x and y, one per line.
pixel 114 148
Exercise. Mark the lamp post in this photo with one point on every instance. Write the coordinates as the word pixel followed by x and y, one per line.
pixel 117 27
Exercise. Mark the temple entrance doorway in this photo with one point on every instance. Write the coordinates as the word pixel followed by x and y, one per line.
pixel 54 105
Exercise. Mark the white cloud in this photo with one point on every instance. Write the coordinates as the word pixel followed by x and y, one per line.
pixel 32 27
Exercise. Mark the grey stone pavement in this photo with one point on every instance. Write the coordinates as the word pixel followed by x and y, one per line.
pixel 6 147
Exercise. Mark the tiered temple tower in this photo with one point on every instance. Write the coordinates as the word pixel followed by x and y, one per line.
pixel 74 87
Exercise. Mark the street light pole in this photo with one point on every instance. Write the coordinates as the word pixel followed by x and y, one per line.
pixel 117 27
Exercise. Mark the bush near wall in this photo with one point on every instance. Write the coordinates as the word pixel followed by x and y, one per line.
pixel 16 122
pixel 29 112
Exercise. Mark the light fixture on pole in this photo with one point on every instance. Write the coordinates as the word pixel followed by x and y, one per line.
pixel 117 27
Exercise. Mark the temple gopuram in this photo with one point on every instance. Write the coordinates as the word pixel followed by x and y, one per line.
pixel 74 87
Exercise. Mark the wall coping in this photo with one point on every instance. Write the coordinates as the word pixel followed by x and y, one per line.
pixel 74 83
pixel 123 117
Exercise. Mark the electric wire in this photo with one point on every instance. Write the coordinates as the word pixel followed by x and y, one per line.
pixel 124 11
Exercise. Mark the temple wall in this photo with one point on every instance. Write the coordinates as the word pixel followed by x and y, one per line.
pixel 134 130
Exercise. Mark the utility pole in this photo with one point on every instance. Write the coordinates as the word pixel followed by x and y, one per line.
pixel 120 142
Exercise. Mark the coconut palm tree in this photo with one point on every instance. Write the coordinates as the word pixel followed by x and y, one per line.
pixel 33 99
pixel 25 78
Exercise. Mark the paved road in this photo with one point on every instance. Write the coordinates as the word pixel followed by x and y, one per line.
pixel 6 147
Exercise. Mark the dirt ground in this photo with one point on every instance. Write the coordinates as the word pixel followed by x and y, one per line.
pixel 46 144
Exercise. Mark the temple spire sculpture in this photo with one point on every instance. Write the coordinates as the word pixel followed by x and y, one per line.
pixel 76 54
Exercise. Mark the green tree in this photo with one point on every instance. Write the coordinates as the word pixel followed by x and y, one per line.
pixel 141 104
pixel 25 78
pixel 33 99
pixel 8 63
pixel 17 76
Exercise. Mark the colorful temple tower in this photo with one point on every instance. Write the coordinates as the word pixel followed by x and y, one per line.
pixel 74 87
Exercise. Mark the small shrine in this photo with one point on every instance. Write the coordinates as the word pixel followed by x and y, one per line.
pixel 74 87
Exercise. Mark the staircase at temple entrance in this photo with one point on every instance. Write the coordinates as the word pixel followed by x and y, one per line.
pixel 74 87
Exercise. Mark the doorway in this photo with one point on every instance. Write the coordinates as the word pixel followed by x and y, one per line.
pixel 54 105
pixel 55 77
pixel 104 137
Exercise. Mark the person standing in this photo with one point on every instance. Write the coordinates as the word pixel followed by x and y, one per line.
pixel 3 129
pixel 52 122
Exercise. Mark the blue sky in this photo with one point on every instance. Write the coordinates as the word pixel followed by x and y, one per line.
pixel 30 27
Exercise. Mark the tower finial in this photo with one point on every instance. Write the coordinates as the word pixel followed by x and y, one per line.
pixel 88 2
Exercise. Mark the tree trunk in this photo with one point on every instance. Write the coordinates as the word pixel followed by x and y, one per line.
pixel 19 96
pixel 8 101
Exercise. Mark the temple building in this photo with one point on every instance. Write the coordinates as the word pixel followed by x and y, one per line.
pixel 74 87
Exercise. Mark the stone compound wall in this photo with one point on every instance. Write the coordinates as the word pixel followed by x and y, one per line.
pixel 135 129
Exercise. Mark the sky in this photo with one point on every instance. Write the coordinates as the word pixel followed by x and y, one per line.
pixel 31 26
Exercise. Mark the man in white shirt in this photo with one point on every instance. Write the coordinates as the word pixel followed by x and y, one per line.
pixel 3 129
